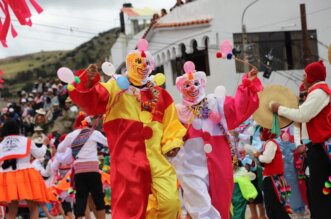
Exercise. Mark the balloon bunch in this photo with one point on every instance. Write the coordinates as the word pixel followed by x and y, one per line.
pixel 67 76
pixel 228 52
pixel 327 186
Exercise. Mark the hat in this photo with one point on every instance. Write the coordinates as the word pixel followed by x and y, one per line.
pixel 315 72
pixel 82 120
pixel 38 128
pixel 277 93
pixel 68 100
pixel 38 140
pixel 30 99
pixel 41 111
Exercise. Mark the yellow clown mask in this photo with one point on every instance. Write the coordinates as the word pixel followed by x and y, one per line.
pixel 140 64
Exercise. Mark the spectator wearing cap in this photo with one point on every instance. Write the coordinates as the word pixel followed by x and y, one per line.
pixel 38 134
pixel 40 118
pixel 314 114
pixel 40 85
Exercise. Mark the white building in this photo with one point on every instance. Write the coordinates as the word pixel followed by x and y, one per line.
pixel 195 30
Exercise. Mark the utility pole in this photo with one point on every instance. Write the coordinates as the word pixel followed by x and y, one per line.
pixel 305 38
pixel 244 34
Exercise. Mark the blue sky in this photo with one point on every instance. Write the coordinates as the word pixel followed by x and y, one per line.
pixel 65 24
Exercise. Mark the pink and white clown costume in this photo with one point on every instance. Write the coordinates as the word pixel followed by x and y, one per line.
pixel 204 164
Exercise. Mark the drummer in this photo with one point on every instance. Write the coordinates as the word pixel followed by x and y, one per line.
pixel 315 112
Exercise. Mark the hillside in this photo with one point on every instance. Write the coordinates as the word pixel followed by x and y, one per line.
pixel 22 71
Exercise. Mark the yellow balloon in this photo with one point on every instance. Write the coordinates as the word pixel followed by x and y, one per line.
pixel 159 79
pixel 70 87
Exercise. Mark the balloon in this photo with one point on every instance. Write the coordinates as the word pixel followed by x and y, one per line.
pixel 208 148
pixel 159 79
pixel 122 82
pixel 108 68
pixel 226 47
pixel 189 67
pixel 220 91
pixel 65 75
pixel 142 45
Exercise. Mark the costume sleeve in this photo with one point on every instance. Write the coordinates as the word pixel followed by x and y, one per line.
pixel 247 189
pixel 312 106
pixel 239 108
pixel 297 135
pixel 65 143
pixel 92 100
pixel 173 130
pixel 46 172
pixel 269 152
pixel 100 138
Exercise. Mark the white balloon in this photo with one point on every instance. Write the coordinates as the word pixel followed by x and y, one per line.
pixel 220 91
pixel 65 75
pixel 208 148
pixel 108 68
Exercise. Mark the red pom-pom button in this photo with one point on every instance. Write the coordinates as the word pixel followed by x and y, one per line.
pixel 147 133
pixel 218 55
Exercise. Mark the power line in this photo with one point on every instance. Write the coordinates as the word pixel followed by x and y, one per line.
pixel 289 19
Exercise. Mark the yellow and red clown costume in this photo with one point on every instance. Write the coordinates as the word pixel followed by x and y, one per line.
pixel 141 126
pixel 204 164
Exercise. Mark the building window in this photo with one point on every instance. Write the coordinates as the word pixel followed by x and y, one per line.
pixel 285 48
pixel 198 57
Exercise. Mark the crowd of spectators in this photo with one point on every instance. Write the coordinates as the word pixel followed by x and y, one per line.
pixel 46 108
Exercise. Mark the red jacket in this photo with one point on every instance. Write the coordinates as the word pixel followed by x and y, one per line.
pixel 319 127
pixel 276 167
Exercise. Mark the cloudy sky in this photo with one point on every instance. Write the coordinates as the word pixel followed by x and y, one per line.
pixel 65 24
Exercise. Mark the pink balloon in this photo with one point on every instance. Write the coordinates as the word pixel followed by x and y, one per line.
pixel 142 45
pixel 226 47
pixel 189 67
pixel 65 75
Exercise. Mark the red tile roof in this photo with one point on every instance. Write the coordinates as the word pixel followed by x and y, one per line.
pixel 176 24
pixel 181 24
pixel 130 12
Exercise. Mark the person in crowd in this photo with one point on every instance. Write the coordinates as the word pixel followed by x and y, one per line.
pixel 275 188
pixel 178 4
pixel 314 115
pixel 16 172
pixel 287 146
pixel 243 191
pixel 38 133
pixel 163 12
pixel 40 118
pixel 142 128
pixel 83 143
pixel 204 165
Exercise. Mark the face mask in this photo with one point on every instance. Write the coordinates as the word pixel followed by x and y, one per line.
pixel 139 67
pixel 192 87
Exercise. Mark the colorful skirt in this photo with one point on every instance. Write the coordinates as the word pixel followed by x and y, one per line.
pixel 26 184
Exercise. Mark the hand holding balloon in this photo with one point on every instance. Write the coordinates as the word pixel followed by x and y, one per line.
pixel 109 69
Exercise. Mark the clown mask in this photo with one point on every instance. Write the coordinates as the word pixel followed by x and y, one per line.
pixel 139 64
pixel 192 87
